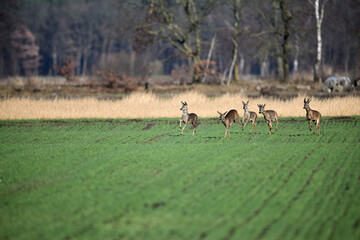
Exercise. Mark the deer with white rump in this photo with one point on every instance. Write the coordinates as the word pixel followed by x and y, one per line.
pixel 269 115
pixel 187 118
pixel 248 116
pixel 228 118
pixel 312 115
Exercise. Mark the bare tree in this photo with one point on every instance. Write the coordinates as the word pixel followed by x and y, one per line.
pixel 26 50
pixel 319 15
pixel 10 20
pixel 182 30
pixel 237 7
pixel 271 37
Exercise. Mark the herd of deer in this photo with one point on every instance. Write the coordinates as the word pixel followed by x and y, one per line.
pixel 230 117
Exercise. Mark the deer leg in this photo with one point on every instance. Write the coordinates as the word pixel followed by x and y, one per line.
pixel 194 129
pixel 310 125
pixel 252 126
pixel 225 133
pixel 319 129
pixel 247 120
pixel 228 130
pixel 183 129
pixel 270 127
pixel 180 122
pixel 277 122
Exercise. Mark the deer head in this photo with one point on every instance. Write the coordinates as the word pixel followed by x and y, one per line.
pixel 245 105
pixel 184 106
pixel 306 103
pixel 222 115
pixel 261 107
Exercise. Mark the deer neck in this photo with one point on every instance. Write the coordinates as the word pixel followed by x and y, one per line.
pixel 185 112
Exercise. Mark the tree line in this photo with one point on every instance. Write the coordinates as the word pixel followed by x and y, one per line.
pixel 207 39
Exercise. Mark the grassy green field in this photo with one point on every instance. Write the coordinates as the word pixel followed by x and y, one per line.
pixel 139 179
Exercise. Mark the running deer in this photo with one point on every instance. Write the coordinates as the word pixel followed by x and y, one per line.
pixel 248 115
pixel 269 115
pixel 228 118
pixel 187 118
pixel 312 115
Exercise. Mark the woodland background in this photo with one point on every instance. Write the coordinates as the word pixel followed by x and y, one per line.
pixel 146 39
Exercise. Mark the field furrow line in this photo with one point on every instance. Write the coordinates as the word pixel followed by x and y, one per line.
pixel 293 200
pixel 102 139
pixel 252 195
pixel 266 181
pixel 348 174
pixel 209 187
pixel 258 210
pixel 156 138
pixel 339 194
pixel 315 197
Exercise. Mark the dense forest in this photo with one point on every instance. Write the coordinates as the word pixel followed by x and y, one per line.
pixel 212 39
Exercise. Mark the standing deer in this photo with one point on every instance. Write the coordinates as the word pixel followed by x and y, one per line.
pixel 187 118
pixel 252 116
pixel 269 115
pixel 228 118
pixel 312 115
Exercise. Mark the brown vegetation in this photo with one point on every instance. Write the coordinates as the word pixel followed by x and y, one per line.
pixel 67 69
pixel 137 105
pixel 115 81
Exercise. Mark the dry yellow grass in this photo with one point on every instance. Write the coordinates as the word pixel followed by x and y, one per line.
pixel 141 105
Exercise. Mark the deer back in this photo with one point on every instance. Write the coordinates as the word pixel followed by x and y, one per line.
pixel 252 115
pixel 230 117
pixel 270 115
pixel 312 114
pixel 192 117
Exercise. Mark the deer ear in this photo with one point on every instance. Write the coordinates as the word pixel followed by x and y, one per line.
pixel 219 112
pixel 185 103
pixel 304 100
pixel 243 102
pixel 247 102
pixel 182 103
pixel 309 100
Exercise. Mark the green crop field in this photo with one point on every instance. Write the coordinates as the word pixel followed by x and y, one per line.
pixel 139 179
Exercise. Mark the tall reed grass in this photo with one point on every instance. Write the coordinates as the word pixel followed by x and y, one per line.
pixel 141 105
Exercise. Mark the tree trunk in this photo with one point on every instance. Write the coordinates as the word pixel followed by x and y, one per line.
pixel 196 54
pixel 296 55
pixel 132 63
pixel 209 58
pixel 236 71
pixel 242 64
pixel 280 67
pixel 237 10
pixel 285 16
pixel 319 14
pixel 54 59
pixel 264 69
pixel 233 64
pixel 316 70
